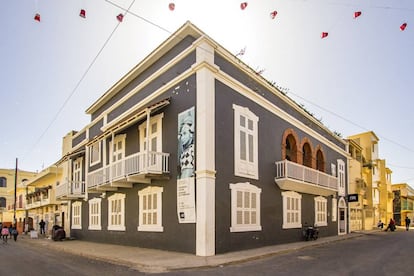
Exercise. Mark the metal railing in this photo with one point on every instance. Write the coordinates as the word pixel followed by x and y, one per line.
pixel 138 163
pixel 70 188
pixel 289 169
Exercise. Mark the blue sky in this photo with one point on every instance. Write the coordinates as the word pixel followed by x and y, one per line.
pixel 357 79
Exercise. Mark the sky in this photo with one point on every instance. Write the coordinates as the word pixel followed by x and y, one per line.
pixel 357 79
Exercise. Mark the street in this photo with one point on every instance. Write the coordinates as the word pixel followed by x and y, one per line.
pixel 378 253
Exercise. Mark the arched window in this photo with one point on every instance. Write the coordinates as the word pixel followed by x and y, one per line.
pixel 3 182
pixel 307 155
pixel 2 202
pixel 320 160
pixel 290 146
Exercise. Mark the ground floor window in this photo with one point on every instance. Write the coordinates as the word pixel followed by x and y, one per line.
pixel 150 209
pixel 95 214
pixel 321 211
pixel 245 207
pixel 77 215
pixel 116 212
pixel 292 209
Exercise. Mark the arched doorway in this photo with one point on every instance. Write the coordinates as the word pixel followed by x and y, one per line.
pixel 342 215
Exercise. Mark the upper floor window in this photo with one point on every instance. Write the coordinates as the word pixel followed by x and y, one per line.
pixel 2 202
pixel 77 177
pixel 321 212
pixel 95 153
pixel 320 160
pixel 245 143
pixel 152 135
pixel 3 182
pixel 116 212
pixel 307 155
pixel 150 209
pixel 95 214
pixel 118 148
pixel 290 148
pixel 292 209
pixel 77 215
pixel 245 207
pixel 341 177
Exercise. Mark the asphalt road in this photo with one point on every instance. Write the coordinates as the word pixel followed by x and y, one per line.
pixel 378 253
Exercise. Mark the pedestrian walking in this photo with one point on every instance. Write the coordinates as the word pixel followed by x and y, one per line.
pixel 14 233
pixel 407 223
pixel 42 227
pixel 5 234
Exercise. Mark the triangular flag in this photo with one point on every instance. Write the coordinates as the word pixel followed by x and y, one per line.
pixel 324 34
pixel 273 14
pixel 37 17
pixel 120 17
pixel 82 13
pixel 243 5
pixel 403 26
pixel 171 6
pixel 357 13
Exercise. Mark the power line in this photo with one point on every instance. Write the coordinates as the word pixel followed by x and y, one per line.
pixel 76 86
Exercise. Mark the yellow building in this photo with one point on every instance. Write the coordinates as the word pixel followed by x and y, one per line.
pixel 357 187
pixel 374 181
pixel 8 181
pixel 403 202
pixel 41 202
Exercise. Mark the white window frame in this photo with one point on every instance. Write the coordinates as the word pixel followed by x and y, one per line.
pixel 292 210
pixel 95 149
pixel 341 177
pixel 119 200
pixel 77 215
pixel 157 119
pixel 247 211
pixel 95 214
pixel 116 152
pixel 249 166
pixel 334 209
pixel 77 174
pixel 146 214
pixel 321 211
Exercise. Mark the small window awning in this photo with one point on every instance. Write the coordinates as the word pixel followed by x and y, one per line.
pixel 130 117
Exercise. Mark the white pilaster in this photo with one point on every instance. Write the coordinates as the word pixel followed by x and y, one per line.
pixel 205 153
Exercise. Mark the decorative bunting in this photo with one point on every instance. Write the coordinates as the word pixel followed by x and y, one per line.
pixel 82 13
pixel 243 5
pixel 357 14
pixel 403 26
pixel 120 17
pixel 324 34
pixel 273 14
pixel 37 17
pixel 171 6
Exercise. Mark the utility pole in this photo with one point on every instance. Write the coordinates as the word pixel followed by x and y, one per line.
pixel 15 194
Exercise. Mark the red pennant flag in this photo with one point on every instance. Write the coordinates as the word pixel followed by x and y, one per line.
pixel 324 34
pixel 273 14
pixel 82 13
pixel 120 17
pixel 171 6
pixel 357 13
pixel 403 26
pixel 243 5
pixel 37 17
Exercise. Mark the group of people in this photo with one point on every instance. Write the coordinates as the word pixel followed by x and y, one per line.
pixel 391 224
pixel 6 232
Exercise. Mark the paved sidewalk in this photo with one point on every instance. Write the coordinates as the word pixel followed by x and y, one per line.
pixel 155 261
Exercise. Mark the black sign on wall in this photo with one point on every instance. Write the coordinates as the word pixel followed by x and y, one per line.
pixel 353 198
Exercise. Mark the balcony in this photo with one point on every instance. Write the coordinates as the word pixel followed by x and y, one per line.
pixel 70 190
pixel 141 167
pixel 296 177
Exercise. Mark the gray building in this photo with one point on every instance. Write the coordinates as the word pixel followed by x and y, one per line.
pixel 193 151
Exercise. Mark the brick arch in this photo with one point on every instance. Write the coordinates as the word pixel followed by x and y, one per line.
pixel 319 157
pixel 306 156
pixel 290 145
